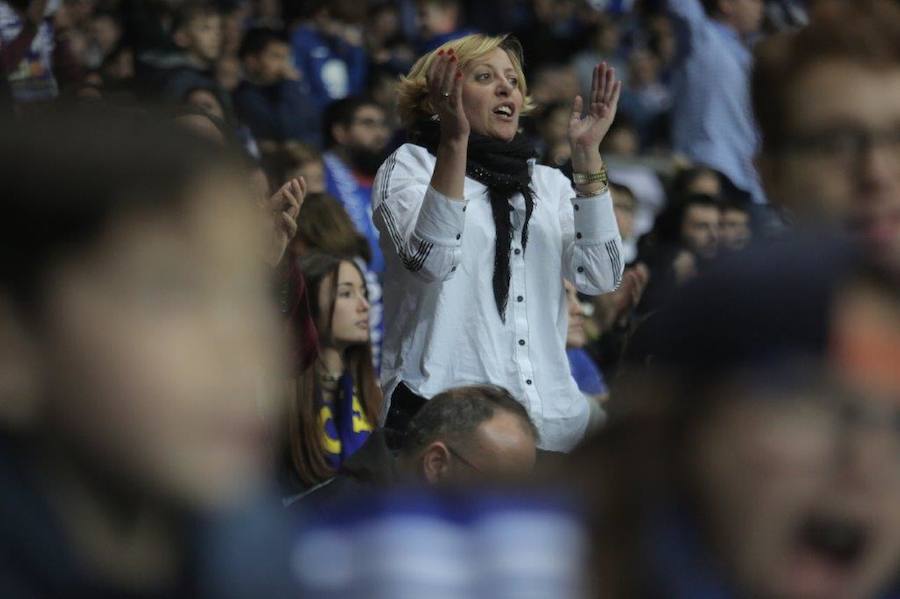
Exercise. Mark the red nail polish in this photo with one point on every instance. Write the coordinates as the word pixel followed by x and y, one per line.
pixel 450 51
pixel 440 52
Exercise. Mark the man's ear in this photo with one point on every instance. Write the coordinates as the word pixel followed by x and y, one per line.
pixel 435 463
pixel 20 372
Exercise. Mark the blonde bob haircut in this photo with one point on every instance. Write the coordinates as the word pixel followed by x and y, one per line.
pixel 413 100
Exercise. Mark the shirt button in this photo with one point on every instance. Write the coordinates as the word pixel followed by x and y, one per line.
pixel 528 382
pixel 453 269
pixel 518 251
pixel 464 208
pixel 577 236
pixel 580 269
pixel 521 342
pixel 577 207
pixel 520 299
pixel 458 235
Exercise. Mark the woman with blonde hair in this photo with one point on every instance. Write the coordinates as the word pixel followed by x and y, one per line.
pixel 478 239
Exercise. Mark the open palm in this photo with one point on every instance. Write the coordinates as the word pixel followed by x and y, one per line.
pixel 587 130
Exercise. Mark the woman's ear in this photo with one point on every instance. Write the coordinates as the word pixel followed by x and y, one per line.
pixel 435 463
pixel 20 373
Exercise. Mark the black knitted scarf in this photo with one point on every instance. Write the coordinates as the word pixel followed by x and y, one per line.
pixel 502 166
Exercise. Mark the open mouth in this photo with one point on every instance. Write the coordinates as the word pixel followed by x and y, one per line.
pixel 505 111
pixel 880 229
pixel 829 551
pixel 841 541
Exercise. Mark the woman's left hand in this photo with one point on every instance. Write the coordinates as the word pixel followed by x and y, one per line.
pixel 588 130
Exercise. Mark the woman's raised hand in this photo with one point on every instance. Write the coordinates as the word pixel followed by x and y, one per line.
pixel 587 130
pixel 445 92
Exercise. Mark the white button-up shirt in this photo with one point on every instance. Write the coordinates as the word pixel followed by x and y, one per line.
pixel 442 328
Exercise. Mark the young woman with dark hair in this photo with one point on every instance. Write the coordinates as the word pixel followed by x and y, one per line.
pixel 335 399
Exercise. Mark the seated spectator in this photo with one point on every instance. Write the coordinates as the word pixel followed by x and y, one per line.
pixel 35 61
pixel 623 139
pixel 293 160
pixel 334 401
pixel 329 53
pixel 604 43
pixel 696 180
pixel 585 372
pixel 646 100
pixel 553 130
pixel 355 146
pixel 734 226
pixel 477 433
pixel 440 21
pixel 827 98
pixel 197 34
pixel 272 100
pixel 624 206
pixel 136 323
pixel 765 437
pixel 325 227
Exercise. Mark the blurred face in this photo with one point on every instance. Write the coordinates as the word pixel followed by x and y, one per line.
pixel 802 483
pixel 492 98
pixel 204 35
pixel 555 126
pixel 367 131
pixel 700 230
pixel 707 183
pixel 228 73
pixel 272 64
pixel 435 19
pixel 744 15
pixel 106 32
pixel 644 68
pixel 350 323
pixel 575 336
pixel 206 101
pixel 314 173
pixel 842 161
pixel 734 229
pixel 157 342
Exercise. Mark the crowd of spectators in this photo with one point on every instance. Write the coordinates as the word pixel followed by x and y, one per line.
pixel 742 374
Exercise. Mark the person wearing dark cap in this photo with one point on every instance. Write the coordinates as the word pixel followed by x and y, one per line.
pixel 758 455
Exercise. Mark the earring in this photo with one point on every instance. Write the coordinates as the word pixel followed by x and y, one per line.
pixel 436 118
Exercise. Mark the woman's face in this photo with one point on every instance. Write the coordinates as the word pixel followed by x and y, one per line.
pixel 350 324
pixel 492 99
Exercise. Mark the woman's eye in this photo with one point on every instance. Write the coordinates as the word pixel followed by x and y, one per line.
pixel 513 81
pixel 482 76
pixel 344 294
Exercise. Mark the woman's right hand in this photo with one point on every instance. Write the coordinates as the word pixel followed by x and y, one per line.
pixel 445 92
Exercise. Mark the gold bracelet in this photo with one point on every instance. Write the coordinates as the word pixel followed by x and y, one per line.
pixel 585 178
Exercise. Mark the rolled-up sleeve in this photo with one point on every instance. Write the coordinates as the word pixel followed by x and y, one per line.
pixel 592 246
pixel 424 227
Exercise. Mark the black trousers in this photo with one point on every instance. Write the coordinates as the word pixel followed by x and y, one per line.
pixel 404 405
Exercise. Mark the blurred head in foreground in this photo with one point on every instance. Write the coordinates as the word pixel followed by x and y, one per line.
pixel 136 330
pixel 827 98
pixel 759 451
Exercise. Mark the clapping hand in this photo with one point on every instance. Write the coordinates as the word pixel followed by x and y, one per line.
pixel 445 92
pixel 588 125
pixel 284 205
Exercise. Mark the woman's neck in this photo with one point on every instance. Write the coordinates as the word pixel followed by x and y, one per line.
pixel 332 360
